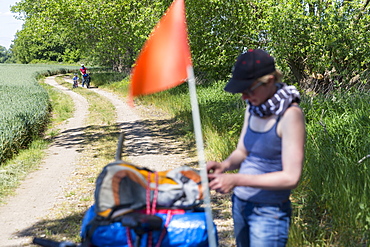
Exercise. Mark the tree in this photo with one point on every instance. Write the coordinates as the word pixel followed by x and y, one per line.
pixel 321 43
pixel 42 38
pixel 4 54
pixel 219 31
pixel 312 40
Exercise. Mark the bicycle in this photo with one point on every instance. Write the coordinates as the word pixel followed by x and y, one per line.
pixel 75 81
pixel 86 80
pixel 75 84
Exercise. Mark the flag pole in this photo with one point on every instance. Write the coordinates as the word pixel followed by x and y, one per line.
pixel 201 156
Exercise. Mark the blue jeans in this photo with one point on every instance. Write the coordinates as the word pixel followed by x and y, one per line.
pixel 261 224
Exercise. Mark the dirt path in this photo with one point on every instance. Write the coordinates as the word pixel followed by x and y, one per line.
pixel 39 192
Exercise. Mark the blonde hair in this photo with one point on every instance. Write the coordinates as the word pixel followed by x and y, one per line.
pixel 277 75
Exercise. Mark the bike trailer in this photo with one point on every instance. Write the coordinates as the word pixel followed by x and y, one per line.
pixel 180 228
pixel 137 205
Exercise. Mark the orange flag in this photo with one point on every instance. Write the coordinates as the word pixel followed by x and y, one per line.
pixel 162 63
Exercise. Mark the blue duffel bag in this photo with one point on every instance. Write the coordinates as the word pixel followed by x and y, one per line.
pixel 185 228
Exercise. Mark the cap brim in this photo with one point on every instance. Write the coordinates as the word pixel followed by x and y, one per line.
pixel 238 86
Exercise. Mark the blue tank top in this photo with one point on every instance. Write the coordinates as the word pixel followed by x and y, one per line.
pixel 264 150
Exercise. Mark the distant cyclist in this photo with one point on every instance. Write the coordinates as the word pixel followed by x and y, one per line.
pixel 83 69
pixel 85 76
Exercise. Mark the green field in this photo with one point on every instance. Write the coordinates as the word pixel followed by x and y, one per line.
pixel 25 105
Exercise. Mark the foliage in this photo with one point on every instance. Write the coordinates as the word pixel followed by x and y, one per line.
pixel 106 33
pixel 219 31
pixel 4 54
pixel 25 106
pixel 44 41
pixel 314 41
pixel 311 40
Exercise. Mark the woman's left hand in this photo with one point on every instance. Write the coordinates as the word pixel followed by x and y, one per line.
pixel 222 183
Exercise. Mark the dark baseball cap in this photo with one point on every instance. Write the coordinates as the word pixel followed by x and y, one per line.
pixel 249 66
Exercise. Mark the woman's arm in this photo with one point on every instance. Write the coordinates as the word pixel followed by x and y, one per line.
pixel 236 157
pixel 292 131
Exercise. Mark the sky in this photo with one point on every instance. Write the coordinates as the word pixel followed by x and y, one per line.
pixel 8 24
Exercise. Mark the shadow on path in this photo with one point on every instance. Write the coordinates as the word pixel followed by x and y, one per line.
pixel 138 135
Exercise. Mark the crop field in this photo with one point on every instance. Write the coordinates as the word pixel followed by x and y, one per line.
pixel 25 104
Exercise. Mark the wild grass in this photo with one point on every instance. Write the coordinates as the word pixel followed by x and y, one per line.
pixel 15 170
pixel 332 203
pixel 61 104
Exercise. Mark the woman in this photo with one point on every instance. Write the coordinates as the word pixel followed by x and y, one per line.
pixel 269 154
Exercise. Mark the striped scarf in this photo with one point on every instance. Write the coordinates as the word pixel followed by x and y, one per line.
pixel 277 104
